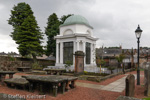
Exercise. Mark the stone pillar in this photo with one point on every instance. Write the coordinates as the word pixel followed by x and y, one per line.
pixel 31 87
pixel 94 54
pixel 61 52
pixel 63 85
pixel 74 50
pixel 91 53
pixel 73 85
pixel 130 85
pixel 10 76
pixel 57 52
pixel 41 89
pixel 78 46
pixel 79 62
pixel 84 50
pixel 67 86
pixel 2 79
pixel 55 89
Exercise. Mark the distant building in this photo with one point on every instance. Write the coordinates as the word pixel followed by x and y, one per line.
pixel 130 55
pixel 46 57
pixel 12 54
pixel 42 57
pixel 3 54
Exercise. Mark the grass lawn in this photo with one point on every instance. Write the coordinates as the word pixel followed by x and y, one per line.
pixel 145 98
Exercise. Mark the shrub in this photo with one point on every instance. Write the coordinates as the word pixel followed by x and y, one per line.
pixel 85 72
pixel 95 74
pixel 36 66
pixel 11 58
pixel 68 63
pixel 111 69
pixel 100 62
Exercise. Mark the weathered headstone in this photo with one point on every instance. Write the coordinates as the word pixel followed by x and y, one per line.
pixel 79 62
pixel 147 80
pixel 130 85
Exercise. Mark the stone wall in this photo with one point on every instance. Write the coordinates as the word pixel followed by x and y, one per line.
pixel 11 63
pixel 5 58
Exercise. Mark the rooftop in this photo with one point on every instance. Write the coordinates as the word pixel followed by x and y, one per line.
pixel 76 19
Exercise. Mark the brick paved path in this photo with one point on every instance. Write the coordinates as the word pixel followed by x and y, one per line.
pixel 116 86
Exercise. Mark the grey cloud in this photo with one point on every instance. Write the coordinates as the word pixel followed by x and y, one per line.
pixel 114 22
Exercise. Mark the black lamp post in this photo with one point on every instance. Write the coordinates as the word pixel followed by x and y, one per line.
pixel 138 33
pixel 147 54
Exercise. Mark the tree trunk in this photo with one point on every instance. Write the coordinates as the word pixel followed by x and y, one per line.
pixel 123 69
pixel 100 68
pixel 34 58
pixel 132 62
pixel 111 71
pixel 118 67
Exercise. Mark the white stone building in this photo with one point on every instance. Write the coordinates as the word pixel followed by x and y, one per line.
pixel 76 35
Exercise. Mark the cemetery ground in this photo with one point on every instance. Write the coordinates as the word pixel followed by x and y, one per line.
pixel 85 90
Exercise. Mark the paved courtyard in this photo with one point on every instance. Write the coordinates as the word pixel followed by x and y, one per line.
pixel 116 86
pixel 108 89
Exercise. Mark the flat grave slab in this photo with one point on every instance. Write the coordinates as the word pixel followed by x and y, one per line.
pixel 17 83
pixel 52 82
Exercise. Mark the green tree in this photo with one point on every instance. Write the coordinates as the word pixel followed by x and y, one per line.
pixel 120 59
pixel 132 57
pixel 64 17
pixel 26 31
pixel 17 17
pixel 100 62
pixel 111 68
pixel 52 30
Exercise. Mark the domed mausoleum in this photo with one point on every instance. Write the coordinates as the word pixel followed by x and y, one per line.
pixel 76 34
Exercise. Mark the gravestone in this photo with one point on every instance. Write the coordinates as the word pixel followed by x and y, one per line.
pixel 79 62
pixel 147 80
pixel 130 85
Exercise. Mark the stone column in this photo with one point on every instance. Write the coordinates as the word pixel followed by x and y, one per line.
pixel 84 50
pixel 2 78
pixel 91 53
pixel 61 52
pixel 67 86
pixel 63 85
pixel 41 89
pixel 31 87
pixel 94 54
pixel 55 89
pixel 73 85
pixel 57 52
pixel 77 45
pixel 10 75
pixel 74 50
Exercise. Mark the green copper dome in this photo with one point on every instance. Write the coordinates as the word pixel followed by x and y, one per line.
pixel 76 19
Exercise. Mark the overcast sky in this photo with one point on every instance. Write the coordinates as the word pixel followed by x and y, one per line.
pixel 114 21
